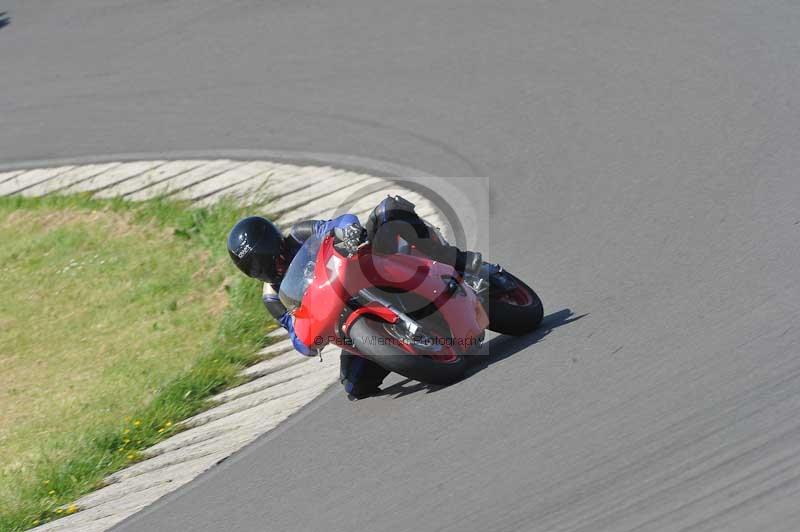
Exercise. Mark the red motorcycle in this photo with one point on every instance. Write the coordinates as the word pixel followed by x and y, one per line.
pixel 404 311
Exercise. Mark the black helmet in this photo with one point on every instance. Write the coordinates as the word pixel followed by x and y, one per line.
pixel 256 246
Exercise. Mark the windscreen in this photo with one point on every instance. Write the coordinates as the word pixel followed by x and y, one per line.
pixel 300 274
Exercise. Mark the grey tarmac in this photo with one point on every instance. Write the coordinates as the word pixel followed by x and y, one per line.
pixel 643 159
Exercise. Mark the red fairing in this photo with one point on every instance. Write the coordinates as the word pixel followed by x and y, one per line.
pixel 323 302
pixel 338 279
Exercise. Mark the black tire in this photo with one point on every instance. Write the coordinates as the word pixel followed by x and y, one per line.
pixel 393 358
pixel 515 319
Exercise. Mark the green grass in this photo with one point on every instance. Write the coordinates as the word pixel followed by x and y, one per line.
pixel 117 320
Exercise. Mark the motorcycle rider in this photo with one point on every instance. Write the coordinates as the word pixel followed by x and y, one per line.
pixel 259 250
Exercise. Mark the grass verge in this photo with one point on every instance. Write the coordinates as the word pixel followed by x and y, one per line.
pixel 126 313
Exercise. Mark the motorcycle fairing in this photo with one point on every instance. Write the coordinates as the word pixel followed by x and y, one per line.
pixel 337 279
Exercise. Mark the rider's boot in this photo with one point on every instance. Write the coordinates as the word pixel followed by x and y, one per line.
pixel 464 262
pixel 468 262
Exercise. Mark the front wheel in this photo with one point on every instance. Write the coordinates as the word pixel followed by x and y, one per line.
pixel 378 342
pixel 513 307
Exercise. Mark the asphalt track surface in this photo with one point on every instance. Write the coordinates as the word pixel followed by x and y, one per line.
pixel 644 161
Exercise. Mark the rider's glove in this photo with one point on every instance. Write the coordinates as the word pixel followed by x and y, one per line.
pixel 348 238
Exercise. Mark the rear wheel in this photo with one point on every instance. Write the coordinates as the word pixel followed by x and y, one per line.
pixel 422 359
pixel 513 307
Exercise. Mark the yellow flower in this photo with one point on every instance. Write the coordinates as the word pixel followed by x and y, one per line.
pixel 59 510
pixel 130 456
pixel 160 431
pixel 72 509
pixel 168 424
pixel 137 423
pixel 51 492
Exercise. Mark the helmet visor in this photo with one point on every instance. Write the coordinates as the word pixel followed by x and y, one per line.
pixel 270 269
